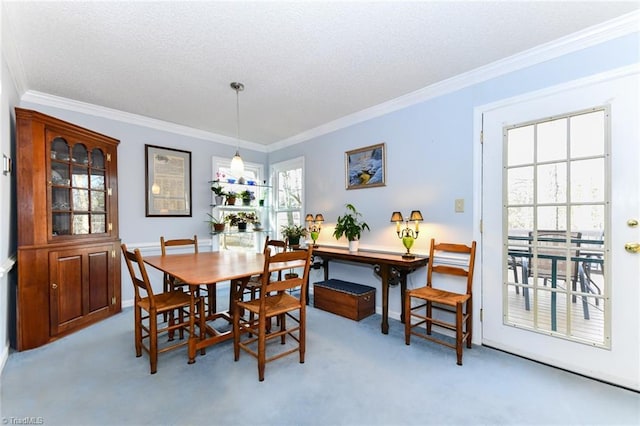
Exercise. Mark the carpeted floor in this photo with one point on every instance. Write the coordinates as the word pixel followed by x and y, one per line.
pixel 353 375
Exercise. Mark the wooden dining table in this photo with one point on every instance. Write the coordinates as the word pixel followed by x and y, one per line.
pixel 196 269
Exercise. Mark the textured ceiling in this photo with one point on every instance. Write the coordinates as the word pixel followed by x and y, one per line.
pixel 304 64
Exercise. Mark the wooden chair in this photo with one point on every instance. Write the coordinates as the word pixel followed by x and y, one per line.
pixel 252 287
pixel 173 302
pixel 437 299
pixel 170 282
pixel 273 301
pixel 277 246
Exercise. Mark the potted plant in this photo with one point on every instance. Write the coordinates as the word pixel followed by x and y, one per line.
pixel 231 198
pixel 246 197
pixel 241 219
pixel 217 225
pixel 293 233
pixel 351 226
pixel 219 191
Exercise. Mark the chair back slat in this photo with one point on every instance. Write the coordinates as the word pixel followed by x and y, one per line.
pixel 139 277
pixel 466 271
pixel 268 285
pixel 178 242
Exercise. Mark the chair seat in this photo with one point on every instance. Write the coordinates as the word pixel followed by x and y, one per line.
pixel 439 296
pixel 274 305
pixel 166 301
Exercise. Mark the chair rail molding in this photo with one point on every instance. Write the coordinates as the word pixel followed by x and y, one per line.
pixel 7 265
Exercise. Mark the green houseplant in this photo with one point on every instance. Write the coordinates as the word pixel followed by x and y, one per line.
pixel 351 226
pixel 241 219
pixel 293 233
pixel 218 190
pixel 217 225
pixel 247 196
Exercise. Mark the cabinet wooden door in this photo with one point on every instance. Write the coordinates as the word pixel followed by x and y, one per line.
pixel 82 286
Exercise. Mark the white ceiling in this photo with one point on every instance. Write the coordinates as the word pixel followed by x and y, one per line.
pixel 304 63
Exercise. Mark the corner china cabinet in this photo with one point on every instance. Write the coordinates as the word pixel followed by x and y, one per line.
pixel 68 243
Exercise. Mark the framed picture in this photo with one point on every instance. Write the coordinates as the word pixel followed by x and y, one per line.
pixel 365 167
pixel 168 181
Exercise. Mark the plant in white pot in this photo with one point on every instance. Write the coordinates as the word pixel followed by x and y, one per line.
pixel 219 191
pixel 351 226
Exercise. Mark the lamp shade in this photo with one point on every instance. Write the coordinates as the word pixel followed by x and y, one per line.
pixel 237 165
pixel 319 217
pixel 416 215
pixel 308 217
pixel 396 217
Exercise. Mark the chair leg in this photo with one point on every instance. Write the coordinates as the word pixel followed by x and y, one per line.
pixel 236 332
pixel 138 330
pixel 181 321
pixel 459 334
pixel 172 321
pixel 262 346
pixel 153 342
pixel 469 321
pixel 429 308
pixel 283 327
pixel 302 335
pixel 165 288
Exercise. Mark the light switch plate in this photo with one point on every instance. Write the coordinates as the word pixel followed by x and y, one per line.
pixel 459 205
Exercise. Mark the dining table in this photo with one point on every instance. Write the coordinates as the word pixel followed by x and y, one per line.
pixel 196 269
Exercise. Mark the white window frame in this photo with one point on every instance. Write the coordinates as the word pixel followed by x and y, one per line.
pixel 275 169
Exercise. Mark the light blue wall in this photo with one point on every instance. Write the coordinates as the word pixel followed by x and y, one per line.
pixel 8 237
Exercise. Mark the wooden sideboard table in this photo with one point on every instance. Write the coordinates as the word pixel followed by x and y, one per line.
pixel 391 268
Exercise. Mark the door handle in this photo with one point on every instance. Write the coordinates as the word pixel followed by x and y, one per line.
pixel 632 247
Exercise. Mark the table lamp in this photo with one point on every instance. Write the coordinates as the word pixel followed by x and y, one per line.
pixel 314 225
pixel 407 234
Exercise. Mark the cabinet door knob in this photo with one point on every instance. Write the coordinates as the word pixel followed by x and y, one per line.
pixel 54 286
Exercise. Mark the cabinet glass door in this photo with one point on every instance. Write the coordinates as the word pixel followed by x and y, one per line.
pixel 78 189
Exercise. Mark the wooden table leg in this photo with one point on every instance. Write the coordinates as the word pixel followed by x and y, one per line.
pixel 384 275
pixel 403 289
pixel 192 327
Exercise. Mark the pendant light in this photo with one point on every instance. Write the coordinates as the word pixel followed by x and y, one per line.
pixel 237 165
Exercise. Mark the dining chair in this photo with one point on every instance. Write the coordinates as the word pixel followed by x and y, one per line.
pixel 446 303
pixel 170 281
pixel 273 301
pixel 252 286
pixel 174 302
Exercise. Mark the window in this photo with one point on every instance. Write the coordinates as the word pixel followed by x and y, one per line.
pixel 556 210
pixel 288 194
pixel 251 180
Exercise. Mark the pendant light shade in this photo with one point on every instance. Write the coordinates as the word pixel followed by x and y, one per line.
pixel 237 165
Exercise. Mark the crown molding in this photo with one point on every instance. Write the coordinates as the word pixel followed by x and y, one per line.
pixel 618 27
pixel 46 99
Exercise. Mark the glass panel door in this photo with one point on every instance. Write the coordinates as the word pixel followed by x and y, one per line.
pixel 559 277
pixel 555 206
